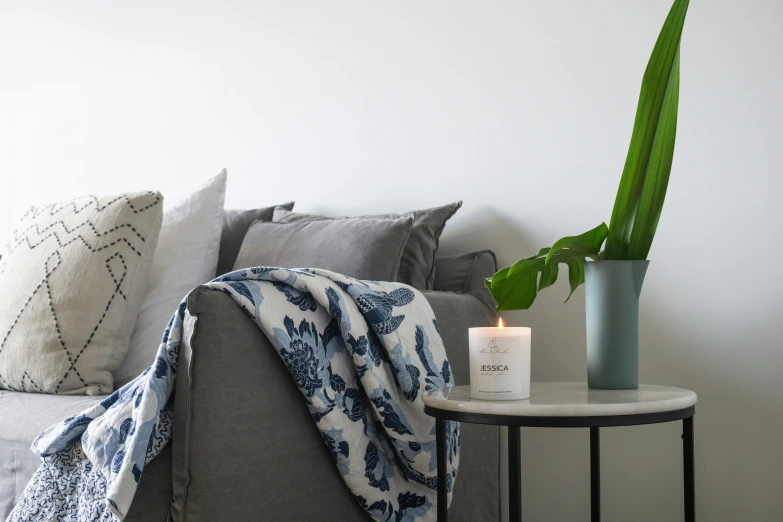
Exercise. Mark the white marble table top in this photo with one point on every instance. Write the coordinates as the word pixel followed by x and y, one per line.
pixel 568 399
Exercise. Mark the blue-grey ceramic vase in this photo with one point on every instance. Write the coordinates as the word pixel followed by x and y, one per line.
pixel 612 290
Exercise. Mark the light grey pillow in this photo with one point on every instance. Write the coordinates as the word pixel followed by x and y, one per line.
pixel 361 248
pixel 417 266
pixel 72 284
pixel 236 222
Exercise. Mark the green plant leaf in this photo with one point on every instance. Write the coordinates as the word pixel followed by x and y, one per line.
pixel 588 243
pixel 648 164
pixel 654 191
pixel 516 287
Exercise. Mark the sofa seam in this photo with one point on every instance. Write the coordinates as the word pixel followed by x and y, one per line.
pixel 189 413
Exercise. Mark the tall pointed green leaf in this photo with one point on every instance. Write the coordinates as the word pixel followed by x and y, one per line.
pixel 652 146
pixel 654 191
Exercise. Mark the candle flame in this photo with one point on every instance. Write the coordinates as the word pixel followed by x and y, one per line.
pixel 500 322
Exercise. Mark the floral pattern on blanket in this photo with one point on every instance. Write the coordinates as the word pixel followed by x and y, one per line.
pixel 361 353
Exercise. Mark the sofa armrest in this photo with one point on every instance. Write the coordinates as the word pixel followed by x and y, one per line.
pixel 476 491
pixel 244 442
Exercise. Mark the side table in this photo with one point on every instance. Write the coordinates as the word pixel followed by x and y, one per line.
pixel 565 405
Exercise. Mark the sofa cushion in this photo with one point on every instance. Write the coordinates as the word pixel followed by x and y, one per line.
pixel 24 415
pixel 361 248
pixel 461 272
pixel 417 266
pixel 235 226
pixel 465 273
pixel 72 285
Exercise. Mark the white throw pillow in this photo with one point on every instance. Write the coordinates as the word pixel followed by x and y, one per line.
pixel 186 257
pixel 72 284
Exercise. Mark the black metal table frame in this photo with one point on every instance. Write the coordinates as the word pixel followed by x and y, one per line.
pixel 514 423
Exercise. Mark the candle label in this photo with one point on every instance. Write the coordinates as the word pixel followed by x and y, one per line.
pixel 500 365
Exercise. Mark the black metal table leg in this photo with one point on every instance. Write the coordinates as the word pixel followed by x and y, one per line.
pixel 595 475
pixel 514 474
pixel 440 442
pixel 688 470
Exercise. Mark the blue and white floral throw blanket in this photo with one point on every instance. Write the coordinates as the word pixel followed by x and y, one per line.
pixel 361 352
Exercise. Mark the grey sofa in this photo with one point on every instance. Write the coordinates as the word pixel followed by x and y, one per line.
pixel 244 446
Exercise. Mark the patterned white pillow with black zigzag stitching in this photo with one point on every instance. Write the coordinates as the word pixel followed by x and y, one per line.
pixel 71 284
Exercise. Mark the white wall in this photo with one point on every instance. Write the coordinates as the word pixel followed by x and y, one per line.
pixel 521 109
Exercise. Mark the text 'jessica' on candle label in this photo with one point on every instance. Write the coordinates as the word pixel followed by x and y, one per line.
pixel 498 360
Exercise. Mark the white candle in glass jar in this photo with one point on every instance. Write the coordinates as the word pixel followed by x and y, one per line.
pixel 500 362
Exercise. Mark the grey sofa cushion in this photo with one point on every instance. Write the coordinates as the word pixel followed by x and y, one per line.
pixel 417 267
pixel 465 273
pixel 245 447
pixel 24 415
pixel 236 222
pixel 461 272
pixel 360 248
